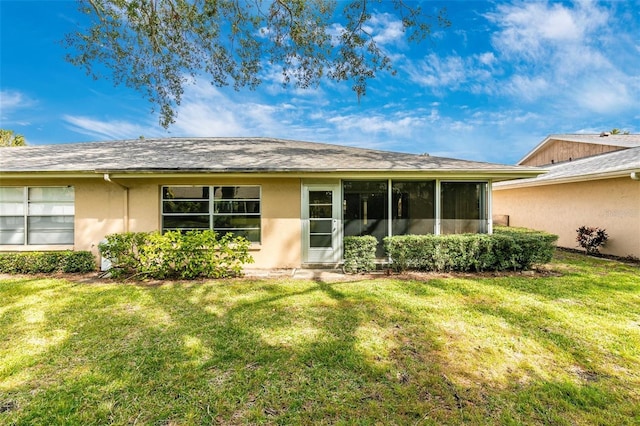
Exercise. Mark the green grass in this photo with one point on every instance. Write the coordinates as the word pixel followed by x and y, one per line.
pixel 561 349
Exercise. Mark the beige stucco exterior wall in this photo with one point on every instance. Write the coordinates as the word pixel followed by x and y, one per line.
pixel 612 204
pixel 100 209
pixel 280 245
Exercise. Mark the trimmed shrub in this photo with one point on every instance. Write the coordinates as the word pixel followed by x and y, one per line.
pixel 360 254
pixel 174 254
pixel 507 248
pixel 47 262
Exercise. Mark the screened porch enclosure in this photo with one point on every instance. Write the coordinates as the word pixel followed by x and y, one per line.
pixel 404 207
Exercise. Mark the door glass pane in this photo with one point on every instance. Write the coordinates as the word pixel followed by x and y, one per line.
pixel 320 241
pixel 320 212
pixel 320 197
pixel 322 226
pixel 321 219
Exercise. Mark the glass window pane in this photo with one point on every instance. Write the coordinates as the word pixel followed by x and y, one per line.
pixel 236 192
pixel 185 222
pixel 9 237
pixel 413 207
pixel 252 235
pixel 51 236
pixel 9 194
pixel 221 222
pixel 11 209
pixel 37 223
pixel 185 206
pixel 12 230
pixel 365 207
pixel 185 192
pixel 463 207
pixel 237 207
pixel 59 208
pixel 51 194
pixel 50 230
pixel 320 241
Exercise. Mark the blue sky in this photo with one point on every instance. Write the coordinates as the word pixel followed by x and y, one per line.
pixel 492 86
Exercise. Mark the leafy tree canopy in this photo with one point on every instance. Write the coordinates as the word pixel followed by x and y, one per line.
pixel 159 46
pixel 8 138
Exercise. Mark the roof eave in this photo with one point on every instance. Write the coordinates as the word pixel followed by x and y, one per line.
pixel 569 179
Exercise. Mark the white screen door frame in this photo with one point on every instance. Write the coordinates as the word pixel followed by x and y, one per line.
pixel 322 223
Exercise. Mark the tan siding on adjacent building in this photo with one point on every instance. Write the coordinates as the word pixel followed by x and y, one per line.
pixel 612 204
pixel 559 151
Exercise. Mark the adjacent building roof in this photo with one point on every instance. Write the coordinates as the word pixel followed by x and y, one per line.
pixel 230 155
pixel 604 138
pixel 609 165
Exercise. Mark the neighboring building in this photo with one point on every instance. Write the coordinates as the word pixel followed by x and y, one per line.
pixel 294 200
pixel 592 180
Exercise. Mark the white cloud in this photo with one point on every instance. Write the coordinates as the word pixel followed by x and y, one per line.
pixel 436 72
pixel 12 100
pixel 386 29
pixel 109 129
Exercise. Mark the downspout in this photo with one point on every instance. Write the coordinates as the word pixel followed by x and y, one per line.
pixel 635 175
pixel 125 219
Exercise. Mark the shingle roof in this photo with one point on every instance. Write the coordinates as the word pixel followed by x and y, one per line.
pixel 226 155
pixel 610 164
pixel 623 141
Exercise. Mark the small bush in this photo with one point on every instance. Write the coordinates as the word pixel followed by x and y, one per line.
pixel 591 239
pixel 47 262
pixel 507 248
pixel 360 254
pixel 188 255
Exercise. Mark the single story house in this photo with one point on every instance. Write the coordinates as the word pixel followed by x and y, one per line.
pixel 295 201
pixel 591 180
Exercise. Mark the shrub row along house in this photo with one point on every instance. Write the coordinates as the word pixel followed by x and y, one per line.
pixel 591 180
pixel 295 201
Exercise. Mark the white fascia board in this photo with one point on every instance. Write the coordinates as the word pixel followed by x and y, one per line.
pixel 570 179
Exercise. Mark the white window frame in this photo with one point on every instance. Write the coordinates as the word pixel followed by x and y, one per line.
pixel 212 208
pixel 26 214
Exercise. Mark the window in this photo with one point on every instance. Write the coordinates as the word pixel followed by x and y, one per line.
pixel 37 215
pixel 225 209
pixel 366 208
pixel 463 207
pixel 413 207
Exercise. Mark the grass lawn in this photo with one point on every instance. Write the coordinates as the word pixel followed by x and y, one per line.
pixel 557 349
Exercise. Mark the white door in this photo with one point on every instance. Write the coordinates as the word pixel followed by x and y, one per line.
pixel 321 231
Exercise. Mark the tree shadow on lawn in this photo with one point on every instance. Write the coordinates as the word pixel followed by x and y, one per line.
pixel 238 353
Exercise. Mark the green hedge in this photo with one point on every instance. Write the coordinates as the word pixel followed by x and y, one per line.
pixel 188 255
pixel 360 254
pixel 47 262
pixel 507 248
